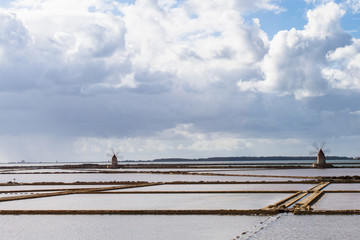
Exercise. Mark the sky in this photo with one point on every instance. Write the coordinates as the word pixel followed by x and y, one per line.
pixel 168 79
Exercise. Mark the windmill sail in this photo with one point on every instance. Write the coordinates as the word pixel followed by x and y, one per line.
pixel 321 159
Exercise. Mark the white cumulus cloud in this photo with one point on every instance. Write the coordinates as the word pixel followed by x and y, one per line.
pixel 296 58
pixel 354 5
pixel 344 70
pixel 162 77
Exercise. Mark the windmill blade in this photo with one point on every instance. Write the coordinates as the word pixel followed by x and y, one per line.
pixel 327 151
pixel 113 150
pixel 109 154
pixel 313 152
pixel 316 146
pixel 322 145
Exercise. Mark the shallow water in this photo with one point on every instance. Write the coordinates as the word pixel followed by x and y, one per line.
pixel 338 201
pixel 220 187
pixel 177 227
pixel 5 195
pixel 311 172
pixel 343 186
pixel 130 177
pixel 111 227
pixel 145 202
pixel 321 227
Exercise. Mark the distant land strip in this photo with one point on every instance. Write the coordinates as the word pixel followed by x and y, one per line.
pixel 210 159
pixel 247 158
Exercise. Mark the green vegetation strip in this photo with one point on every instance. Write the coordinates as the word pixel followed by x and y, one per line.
pixel 140 212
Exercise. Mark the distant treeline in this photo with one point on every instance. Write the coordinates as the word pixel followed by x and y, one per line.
pixel 272 158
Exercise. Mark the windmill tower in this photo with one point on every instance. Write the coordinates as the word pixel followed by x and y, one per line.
pixel 114 158
pixel 321 159
pixel 114 161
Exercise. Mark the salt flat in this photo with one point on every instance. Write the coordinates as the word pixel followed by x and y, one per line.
pixel 173 194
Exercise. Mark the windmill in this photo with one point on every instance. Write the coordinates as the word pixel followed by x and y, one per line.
pixel 114 157
pixel 321 159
